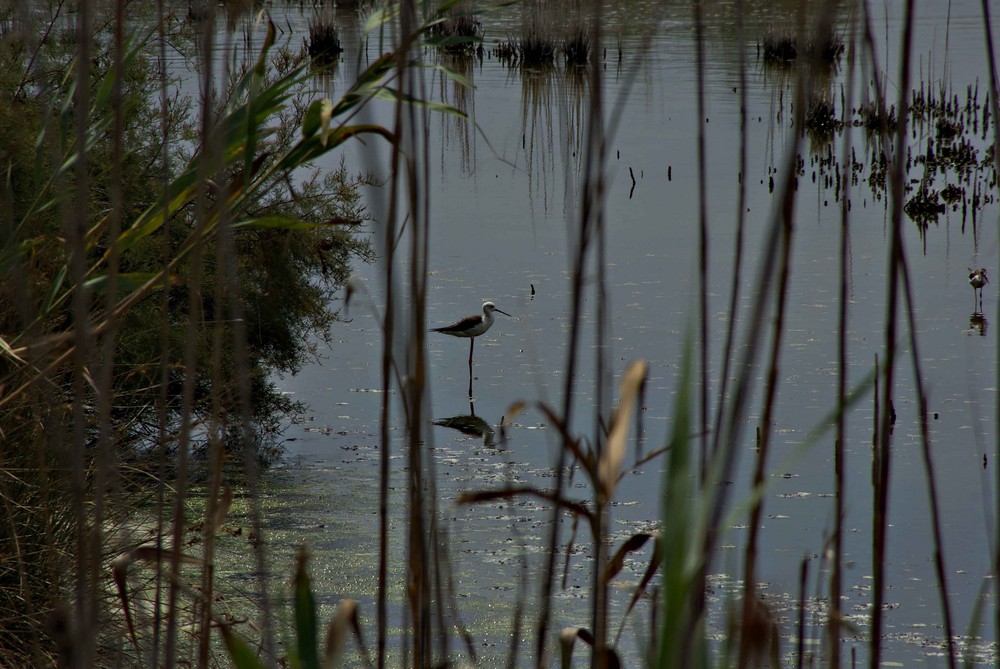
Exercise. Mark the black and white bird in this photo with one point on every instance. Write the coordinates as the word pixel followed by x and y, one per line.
pixel 978 279
pixel 472 327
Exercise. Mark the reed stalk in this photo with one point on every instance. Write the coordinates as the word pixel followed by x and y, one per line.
pixel 703 288
pixel 87 560
pixel 882 476
pixel 994 89
pixel 193 321
pixel 840 435
pixel 769 402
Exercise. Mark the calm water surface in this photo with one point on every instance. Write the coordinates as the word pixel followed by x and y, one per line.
pixel 503 201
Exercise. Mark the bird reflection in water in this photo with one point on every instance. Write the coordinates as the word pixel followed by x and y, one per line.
pixel 978 323
pixel 472 425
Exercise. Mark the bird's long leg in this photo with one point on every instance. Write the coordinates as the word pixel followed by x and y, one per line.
pixel 472 344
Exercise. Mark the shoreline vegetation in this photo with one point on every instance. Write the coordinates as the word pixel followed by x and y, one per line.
pixel 163 260
pixel 165 256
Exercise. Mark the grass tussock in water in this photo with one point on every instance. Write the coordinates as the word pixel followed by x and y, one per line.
pixel 536 48
pixel 462 34
pixel 821 118
pixel 784 49
pixel 536 44
pixel 577 47
pixel 324 39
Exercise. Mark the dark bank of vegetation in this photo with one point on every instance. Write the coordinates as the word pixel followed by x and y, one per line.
pixel 159 264
pixel 286 273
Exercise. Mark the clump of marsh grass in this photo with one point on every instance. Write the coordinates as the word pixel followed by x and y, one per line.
pixel 952 193
pixel 821 119
pixel 462 34
pixel 536 48
pixel 536 45
pixel 779 49
pixel 533 49
pixel 506 51
pixel 782 50
pixel 924 206
pixel 324 40
pixel 577 47
pixel 875 119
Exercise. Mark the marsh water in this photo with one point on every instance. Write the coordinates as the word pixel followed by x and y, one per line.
pixel 504 192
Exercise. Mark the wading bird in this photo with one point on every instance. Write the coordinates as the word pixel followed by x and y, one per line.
pixel 978 279
pixel 472 327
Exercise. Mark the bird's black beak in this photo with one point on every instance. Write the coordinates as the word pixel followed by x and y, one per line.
pixel 502 312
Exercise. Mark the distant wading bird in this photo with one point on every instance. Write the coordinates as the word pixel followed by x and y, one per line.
pixel 978 279
pixel 472 327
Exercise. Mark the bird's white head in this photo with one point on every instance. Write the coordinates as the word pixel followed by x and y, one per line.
pixel 489 308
